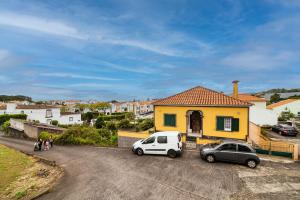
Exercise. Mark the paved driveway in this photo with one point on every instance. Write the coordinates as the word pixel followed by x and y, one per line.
pixel 111 173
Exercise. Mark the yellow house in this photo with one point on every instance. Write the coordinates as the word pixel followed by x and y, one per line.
pixel 203 113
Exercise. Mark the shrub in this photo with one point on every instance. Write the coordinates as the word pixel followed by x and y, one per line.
pixel 54 122
pixel 112 126
pixel 125 123
pixel 100 123
pixel 5 127
pixel 6 117
pixel 145 125
pixel 129 116
pixel 44 135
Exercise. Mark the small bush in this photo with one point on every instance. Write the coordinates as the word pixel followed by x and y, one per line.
pixel 112 126
pixel 125 124
pixel 100 123
pixel 145 125
pixel 54 122
pixel 5 127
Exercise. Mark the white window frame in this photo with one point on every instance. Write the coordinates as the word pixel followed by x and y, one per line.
pixel 49 113
pixel 227 124
pixel 70 119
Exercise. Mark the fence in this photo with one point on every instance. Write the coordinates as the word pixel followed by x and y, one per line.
pixel 266 146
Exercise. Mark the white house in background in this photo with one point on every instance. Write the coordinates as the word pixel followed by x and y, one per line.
pixel 258 113
pixel 42 113
pixel 292 105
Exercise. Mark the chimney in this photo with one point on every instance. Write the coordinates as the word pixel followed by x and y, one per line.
pixel 235 93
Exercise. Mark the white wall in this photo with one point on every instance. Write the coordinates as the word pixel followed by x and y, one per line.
pixel 294 107
pixel 40 114
pixel 261 116
pixel 70 119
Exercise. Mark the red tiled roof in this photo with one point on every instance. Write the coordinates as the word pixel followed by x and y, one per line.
pixel 200 96
pixel 280 103
pixel 36 106
pixel 2 107
pixel 248 97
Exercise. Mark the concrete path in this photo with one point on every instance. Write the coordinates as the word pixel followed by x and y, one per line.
pixel 111 173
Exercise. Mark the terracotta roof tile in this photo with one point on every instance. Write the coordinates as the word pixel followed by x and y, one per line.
pixel 280 103
pixel 2 107
pixel 200 96
pixel 248 97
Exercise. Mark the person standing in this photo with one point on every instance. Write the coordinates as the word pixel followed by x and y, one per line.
pixel 51 141
pixel 40 144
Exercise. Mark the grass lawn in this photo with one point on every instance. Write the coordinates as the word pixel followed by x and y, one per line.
pixel 12 164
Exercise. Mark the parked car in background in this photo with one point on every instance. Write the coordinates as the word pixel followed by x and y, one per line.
pixel 234 152
pixel 163 143
pixel 284 129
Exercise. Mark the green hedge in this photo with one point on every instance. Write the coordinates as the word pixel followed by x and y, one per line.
pixel 6 117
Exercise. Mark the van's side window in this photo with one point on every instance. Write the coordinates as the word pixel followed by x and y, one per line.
pixel 149 140
pixel 162 139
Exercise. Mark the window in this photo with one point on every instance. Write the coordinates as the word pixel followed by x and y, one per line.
pixel 49 113
pixel 162 139
pixel 170 120
pixel 22 112
pixel 243 148
pixel 228 147
pixel 227 124
pixel 70 119
pixel 149 140
pixel 298 114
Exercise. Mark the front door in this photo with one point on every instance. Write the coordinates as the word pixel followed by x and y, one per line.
pixel 195 122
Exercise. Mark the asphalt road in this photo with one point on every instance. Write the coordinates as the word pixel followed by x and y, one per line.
pixel 112 173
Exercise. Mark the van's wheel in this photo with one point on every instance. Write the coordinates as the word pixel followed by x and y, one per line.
pixel 172 153
pixel 251 163
pixel 210 158
pixel 139 152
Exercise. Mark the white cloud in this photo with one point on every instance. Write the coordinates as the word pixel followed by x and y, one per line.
pixel 41 25
pixel 258 59
pixel 78 76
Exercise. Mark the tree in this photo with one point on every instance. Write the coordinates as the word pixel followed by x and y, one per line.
pixel 275 98
pixel 102 106
pixel 81 107
pixel 100 123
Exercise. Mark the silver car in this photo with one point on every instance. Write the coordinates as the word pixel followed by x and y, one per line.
pixel 235 152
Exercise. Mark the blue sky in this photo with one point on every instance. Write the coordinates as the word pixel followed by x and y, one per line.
pixel 133 49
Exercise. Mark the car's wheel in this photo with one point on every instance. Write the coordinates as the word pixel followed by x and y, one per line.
pixel 251 163
pixel 172 153
pixel 210 158
pixel 139 152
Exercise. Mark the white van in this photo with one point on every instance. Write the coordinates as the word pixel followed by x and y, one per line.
pixel 163 143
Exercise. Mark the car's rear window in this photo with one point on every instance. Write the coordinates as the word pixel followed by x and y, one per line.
pixel 243 148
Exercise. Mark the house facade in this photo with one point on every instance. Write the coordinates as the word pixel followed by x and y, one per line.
pixel 288 105
pixel 203 113
pixel 259 114
pixel 42 113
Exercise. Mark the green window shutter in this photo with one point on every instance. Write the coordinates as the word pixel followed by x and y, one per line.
pixel 235 124
pixel 220 123
pixel 170 120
